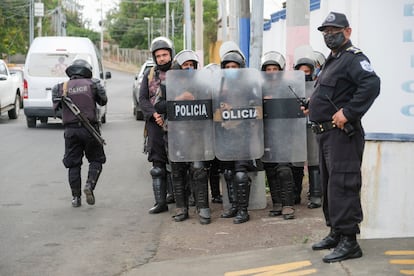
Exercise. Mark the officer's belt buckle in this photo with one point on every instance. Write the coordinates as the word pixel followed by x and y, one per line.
pixel 319 128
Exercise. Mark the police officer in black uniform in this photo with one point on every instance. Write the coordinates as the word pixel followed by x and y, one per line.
pixel 279 175
pixel 153 83
pixel 85 93
pixel 236 172
pixel 197 182
pixel 345 89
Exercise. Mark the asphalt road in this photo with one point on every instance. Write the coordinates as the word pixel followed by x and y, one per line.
pixel 40 233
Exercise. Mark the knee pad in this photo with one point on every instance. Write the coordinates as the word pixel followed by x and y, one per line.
pixel 284 172
pixel 199 170
pixel 241 177
pixel 228 175
pixel 157 172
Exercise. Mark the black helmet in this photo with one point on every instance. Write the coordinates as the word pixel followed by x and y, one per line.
pixel 305 61
pixel 162 43
pixel 186 55
pixel 233 56
pixel 79 67
pixel 273 58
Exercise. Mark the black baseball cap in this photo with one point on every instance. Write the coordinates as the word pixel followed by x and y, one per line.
pixel 334 19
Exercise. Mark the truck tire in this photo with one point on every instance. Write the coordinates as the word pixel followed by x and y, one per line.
pixel 31 122
pixel 14 113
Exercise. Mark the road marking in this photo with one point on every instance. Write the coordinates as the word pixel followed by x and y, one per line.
pixel 399 252
pixel 402 261
pixel 274 270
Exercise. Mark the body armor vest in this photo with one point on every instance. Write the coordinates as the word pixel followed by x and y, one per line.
pixel 80 91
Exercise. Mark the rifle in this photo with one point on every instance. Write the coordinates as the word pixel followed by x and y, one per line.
pixel 303 102
pixel 83 119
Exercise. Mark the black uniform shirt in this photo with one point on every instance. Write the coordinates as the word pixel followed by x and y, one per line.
pixel 348 80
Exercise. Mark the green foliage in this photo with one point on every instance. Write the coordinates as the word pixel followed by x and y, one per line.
pixel 13 15
pixel 128 27
pixel 14 24
pixel 126 24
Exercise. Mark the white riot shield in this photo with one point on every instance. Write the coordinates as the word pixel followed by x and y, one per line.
pixel 284 121
pixel 238 115
pixel 312 144
pixel 189 111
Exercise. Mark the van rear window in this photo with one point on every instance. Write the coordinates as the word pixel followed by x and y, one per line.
pixel 52 65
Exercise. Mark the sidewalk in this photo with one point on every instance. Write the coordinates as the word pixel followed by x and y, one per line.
pixel 381 257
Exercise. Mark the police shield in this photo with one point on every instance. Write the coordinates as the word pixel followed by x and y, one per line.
pixel 284 121
pixel 238 116
pixel 190 125
pixel 312 145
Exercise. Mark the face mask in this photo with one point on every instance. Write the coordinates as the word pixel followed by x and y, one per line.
pixel 308 78
pixel 231 74
pixel 334 41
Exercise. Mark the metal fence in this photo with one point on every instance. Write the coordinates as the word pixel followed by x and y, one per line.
pixel 126 55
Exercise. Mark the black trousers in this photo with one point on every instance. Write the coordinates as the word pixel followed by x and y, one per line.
pixel 156 143
pixel 340 160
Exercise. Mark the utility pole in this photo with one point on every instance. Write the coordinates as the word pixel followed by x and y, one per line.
pixel 297 27
pixel 31 21
pixel 187 24
pixel 199 31
pixel 256 43
pixel 244 28
pixel 167 17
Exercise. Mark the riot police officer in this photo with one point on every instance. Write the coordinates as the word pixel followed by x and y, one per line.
pixel 236 172
pixel 153 83
pixel 197 183
pixel 307 64
pixel 85 92
pixel 279 175
pixel 345 90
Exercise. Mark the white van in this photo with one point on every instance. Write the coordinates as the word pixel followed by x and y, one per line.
pixel 45 66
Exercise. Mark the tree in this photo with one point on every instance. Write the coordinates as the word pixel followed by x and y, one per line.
pixel 12 35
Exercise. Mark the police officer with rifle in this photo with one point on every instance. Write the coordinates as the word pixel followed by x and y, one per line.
pixel 78 98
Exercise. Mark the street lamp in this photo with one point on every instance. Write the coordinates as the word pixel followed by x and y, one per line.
pixel 147 19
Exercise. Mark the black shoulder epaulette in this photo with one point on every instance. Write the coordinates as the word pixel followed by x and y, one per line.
pixel 354 50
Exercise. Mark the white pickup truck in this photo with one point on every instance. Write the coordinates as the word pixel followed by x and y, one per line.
pixel 10 92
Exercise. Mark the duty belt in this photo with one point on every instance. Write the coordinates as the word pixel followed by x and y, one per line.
pixel 319 128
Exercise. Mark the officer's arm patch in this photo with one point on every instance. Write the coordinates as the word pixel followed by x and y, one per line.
pixel 366 66
pixel 354 50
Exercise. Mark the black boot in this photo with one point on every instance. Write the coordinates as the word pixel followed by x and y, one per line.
pixel 347 248
pixel 328 242
pixel 242 184
pixel 76 201
pixel 200 181
pixel 179 180
pixel 229 177
pixel 159 186
pixel 315 188
pixel 94 172
pixel 285 177
pixel 75 182
pixel 298 174
pixel 275 191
